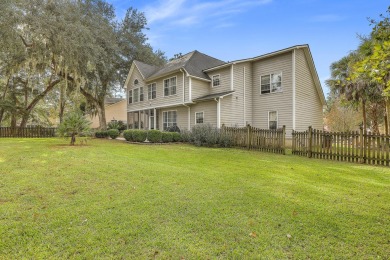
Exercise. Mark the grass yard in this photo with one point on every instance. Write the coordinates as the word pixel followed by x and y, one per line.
pixel 111 199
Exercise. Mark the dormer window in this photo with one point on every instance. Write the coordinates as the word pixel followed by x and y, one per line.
pixel 136 82
pixel 216 81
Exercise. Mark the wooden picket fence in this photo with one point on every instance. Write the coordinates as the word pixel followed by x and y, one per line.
pixel 355 146
pixel 27 132
pixel 253 138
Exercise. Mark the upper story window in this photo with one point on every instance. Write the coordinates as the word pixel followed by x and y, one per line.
pixel 130 96
pixel 152 91
pixel 135 95
pixel 141 94
pixel 170 86
pixel 273 119
pixel 216 80
pixel 199 117
pixel 135 82
pixel 271 83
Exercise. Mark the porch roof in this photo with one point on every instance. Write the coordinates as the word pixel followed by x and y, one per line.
pixel 213 96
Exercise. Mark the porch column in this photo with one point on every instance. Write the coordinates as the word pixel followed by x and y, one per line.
pixel 218 113
pixel 154 119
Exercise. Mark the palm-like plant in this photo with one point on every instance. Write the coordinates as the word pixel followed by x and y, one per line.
pixel 75 123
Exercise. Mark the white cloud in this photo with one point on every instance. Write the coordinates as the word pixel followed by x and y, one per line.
pixel 187 13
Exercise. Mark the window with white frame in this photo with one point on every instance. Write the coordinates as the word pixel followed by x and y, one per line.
pixel 169 119
pixel 271 83
pixel 216 80
pixel 130 96
pixel 141 94
pixel 152 91
pixel 135 82
pixel 170 86
pixel 135 95
pixel 199 117
pixel 273 119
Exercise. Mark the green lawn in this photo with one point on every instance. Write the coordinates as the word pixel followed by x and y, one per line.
pixel 111 199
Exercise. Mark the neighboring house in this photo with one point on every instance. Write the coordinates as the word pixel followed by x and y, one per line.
pixel 267 91
pixel 115 109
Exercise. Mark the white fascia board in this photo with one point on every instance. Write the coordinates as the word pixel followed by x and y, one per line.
pixel 317 83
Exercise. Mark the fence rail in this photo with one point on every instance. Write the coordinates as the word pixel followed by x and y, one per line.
pixel 27 132
pixel 254 138
pixel 355 146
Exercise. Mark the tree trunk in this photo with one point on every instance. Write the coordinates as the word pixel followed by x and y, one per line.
pixel 3 98
pixel 364 116
pixel 34 102
pixel 387 115
pixel 102 116
pixel 73 139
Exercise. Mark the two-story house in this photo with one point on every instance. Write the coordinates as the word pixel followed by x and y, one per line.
pixel 267 91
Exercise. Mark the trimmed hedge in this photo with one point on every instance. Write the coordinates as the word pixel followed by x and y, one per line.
pixel 167 137
pixel 154 136
pixel 176 137
pixel 113 133
pixel 139 135
pixel 101 134
pixel 128 135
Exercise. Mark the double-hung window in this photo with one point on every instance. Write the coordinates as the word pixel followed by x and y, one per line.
pixel 216 80
pixel 141 94
pixel 135 95
pixel 152 91
pixel 169 119
pixel 199 117
pixel 272 119
pixel 170 86
pixel 130 96
pixel 271 83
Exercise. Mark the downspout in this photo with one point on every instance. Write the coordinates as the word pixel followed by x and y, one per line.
pixel 218 112
pixel 189 98
pixel 293 89
pixel 244 99
pixel 231 77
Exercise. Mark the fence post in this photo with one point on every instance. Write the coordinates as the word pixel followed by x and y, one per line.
pixel 310 142
pixel 284 139
pixel 249 136
pixel 362 146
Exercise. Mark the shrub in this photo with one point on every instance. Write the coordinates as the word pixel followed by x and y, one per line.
pixel 139 135
pixel 116 125
pixel 205 135
pixel 128 135
pixel 113 133
pixel 186 136
pixel 173 128
pixel 225 140
pixel 101 134
pixel 154 136
pixel 176 137
pixel 167 137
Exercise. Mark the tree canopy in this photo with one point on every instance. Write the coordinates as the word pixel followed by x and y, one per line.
pixel 62 52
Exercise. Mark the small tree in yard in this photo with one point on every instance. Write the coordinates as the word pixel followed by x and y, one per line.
pixel 74 124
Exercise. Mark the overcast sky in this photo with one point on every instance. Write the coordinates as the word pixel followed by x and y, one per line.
pixel 237 29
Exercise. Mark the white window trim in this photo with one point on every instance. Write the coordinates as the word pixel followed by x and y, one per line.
pixel 155 83
pixel 135 84
pixel 134 95
pixel 269 74
pixel 277 118
pixel 169 86
pixel 166 111
pixel 202 116
pixel 212 80
pixel 128 97
pixel 139 94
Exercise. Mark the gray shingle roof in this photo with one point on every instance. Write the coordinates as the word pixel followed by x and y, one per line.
pixel 212 96
pixel 194 63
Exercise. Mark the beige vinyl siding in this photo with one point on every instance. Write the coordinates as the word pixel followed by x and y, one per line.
pixel 160 100
pixel 225 83
pixel 209 109
pixel 234 107
pixel 280 101
pixel 308 104
pixel 199 88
